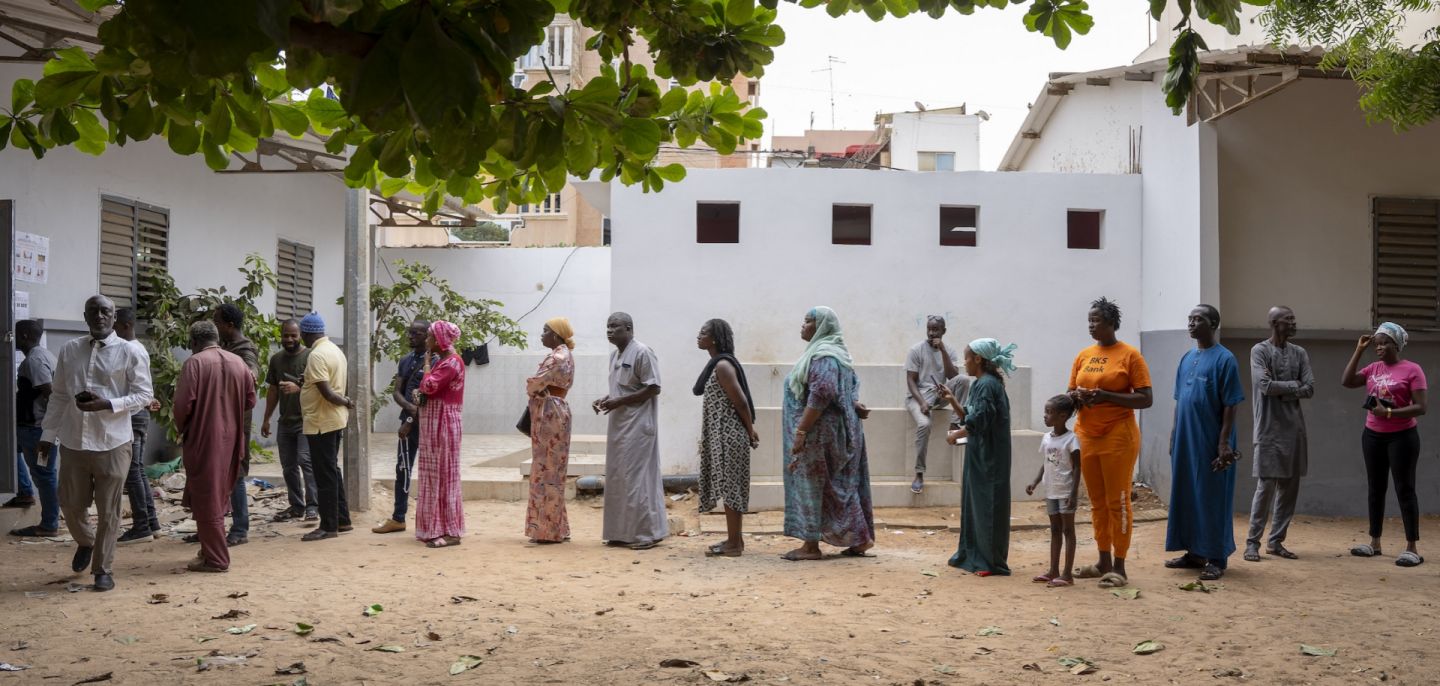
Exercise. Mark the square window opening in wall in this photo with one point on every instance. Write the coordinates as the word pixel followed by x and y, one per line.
pixel 1082 229
pixel 850 224
pixel 717 222
pixel 959 225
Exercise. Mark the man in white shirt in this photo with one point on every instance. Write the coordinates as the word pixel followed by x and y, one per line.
pixel 99 380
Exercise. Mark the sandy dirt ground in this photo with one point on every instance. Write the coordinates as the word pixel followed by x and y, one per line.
pixel 582 613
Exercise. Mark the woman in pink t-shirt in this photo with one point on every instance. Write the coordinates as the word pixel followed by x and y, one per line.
pixel 1394 397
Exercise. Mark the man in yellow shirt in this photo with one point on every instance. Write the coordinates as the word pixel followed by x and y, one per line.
pixel 325 411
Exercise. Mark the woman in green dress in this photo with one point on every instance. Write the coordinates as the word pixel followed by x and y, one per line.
pixel 985 493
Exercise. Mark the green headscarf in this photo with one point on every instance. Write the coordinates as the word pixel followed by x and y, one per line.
pixel 827 342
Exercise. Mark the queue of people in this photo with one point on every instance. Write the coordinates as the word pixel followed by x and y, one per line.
pixel 82 451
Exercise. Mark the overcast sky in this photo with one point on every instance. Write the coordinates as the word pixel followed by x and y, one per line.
pixel 987 59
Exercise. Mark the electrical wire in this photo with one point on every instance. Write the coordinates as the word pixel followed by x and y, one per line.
pixel 548 291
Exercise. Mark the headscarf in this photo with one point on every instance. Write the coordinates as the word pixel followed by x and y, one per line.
pixel 828 341
pixel 1396 333
pixel 445 333
pixel 561 327
pixel 312 323
pixel 724 339
pixel 989 348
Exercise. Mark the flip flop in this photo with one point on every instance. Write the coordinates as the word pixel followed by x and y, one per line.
pixel 719 550
pixel 1409 559
pixel 1113 580
pixel 1041 579
pixel 1282 551
pixel 1088 572
pixel 984 573
pixel 1364 550
pixel 851 552
pixel 1058 583
pixel 644 545
pixel 794 556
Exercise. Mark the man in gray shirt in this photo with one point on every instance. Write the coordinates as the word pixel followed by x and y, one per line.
pixel 930 364
pixel 32 397
pixel 1280 372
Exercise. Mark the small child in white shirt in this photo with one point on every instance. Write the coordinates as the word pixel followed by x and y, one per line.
pixel 1060 475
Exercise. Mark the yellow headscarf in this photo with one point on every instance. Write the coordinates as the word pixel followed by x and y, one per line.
pixel 561 327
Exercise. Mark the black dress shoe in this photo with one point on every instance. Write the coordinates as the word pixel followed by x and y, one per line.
pixel 103 582
pixel 81 559
pixel 318 535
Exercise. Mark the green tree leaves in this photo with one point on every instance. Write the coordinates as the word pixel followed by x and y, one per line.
pixel 1400 83
pixel 419 92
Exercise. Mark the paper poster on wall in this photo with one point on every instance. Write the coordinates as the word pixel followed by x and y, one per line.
pixel 22 305
pixel 32 257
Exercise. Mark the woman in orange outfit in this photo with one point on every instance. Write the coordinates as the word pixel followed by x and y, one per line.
pixel 1109 382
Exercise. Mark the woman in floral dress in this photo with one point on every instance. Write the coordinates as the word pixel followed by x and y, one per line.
pixel 439 516
pixel 545 520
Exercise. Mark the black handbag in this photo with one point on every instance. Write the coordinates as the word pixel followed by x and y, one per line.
pixel 523 426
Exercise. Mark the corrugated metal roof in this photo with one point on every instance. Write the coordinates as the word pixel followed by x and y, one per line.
pixel 30 27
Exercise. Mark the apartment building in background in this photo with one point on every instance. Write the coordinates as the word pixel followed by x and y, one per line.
pixel 945 139
pixel 566 218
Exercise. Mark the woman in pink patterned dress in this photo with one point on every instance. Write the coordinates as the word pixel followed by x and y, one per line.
pixel 439 517
pixel 545 520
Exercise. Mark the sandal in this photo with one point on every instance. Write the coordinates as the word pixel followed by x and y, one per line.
pixel 442 542
pixel 1088 572
pixel 1042 579
pixel 719 550
pixel 1212 572
pixel 644 545
pixel 1113 580
pixel 1409 559
pixel 853 552
pixel 1364 550
pixel 1282 551
pixel 1057 582
pixel 798 556
pixel 1252 554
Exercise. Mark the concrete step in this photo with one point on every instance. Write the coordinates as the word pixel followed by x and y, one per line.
pixel 579 444
pixel 770 495
pixel 579 465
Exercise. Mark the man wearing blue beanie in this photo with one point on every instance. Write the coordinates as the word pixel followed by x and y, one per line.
pixel 325 411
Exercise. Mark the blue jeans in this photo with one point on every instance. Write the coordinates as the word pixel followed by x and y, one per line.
pixel 405 451
pixel 239 510
pixel 24 487
pixel 46 478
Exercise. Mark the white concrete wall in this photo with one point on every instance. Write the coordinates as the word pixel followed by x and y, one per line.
pixel 1020 284
pixel 1174 212
pixel 215 219
pixel 1316 223
pixel 1090 130
pixel 915 132
pixel 520 278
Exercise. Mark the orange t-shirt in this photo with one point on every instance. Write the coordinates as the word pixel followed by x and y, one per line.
pixel 1117 368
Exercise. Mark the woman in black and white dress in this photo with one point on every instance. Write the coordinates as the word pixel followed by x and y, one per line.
pixel 727 434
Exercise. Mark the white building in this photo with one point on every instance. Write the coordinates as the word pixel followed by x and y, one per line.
pixel 760 247
pixel 932 140
pixel 1272 189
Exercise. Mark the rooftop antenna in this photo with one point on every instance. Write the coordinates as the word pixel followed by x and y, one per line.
pixel 830 62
